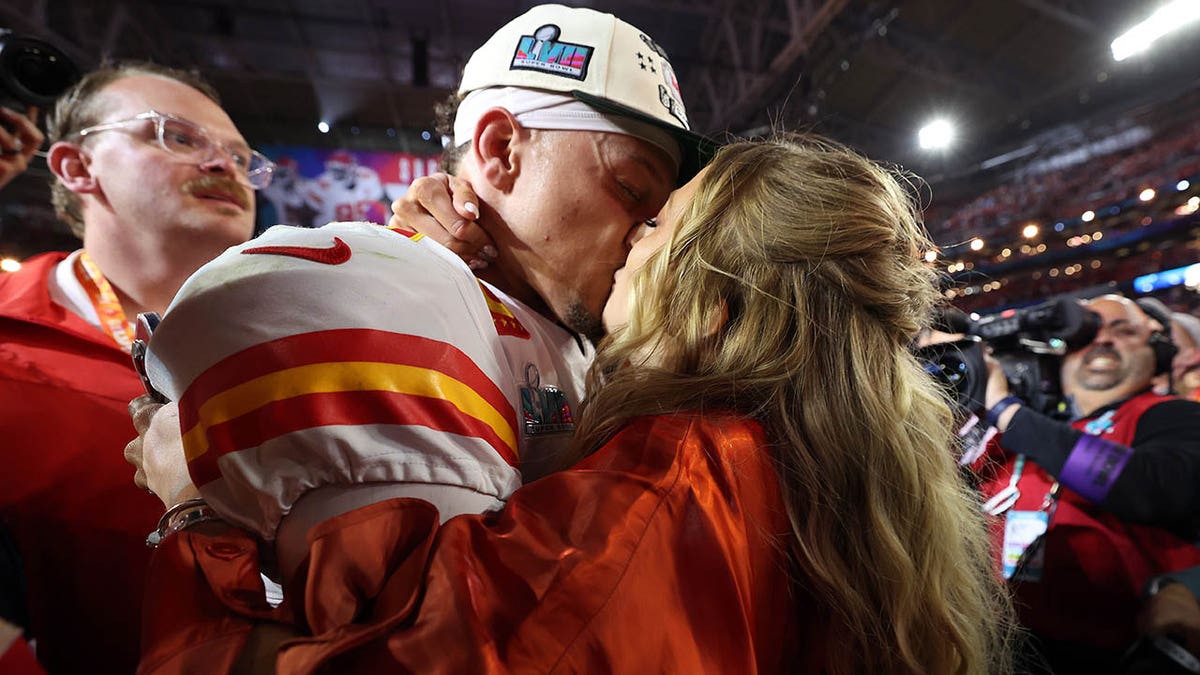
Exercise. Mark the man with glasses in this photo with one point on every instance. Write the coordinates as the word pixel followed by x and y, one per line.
pixel 156 180
pixel 181 137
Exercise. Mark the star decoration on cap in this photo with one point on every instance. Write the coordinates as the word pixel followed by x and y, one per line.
pixel 646 62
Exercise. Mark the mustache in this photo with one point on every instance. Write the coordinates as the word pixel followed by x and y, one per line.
pixel 1098 351
pixel 220 184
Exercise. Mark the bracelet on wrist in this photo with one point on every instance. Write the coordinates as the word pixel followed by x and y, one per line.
pixel 180 517
pixel 1155 584
pixel 994 413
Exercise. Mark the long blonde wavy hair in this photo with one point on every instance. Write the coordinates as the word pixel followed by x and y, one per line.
pixel 812 255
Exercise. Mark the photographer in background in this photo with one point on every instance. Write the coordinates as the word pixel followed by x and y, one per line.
pixel 1089 510
pixel 19 139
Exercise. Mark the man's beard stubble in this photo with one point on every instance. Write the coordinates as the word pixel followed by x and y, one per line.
pixel 584 322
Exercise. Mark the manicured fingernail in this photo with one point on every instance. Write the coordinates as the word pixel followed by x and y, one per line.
pixel 477 264
pixel 470 208
pixel 489 252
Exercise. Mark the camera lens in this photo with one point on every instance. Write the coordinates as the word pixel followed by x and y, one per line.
pixel 959 368
pixel 948 369
pixel 34 72
pixel 41 72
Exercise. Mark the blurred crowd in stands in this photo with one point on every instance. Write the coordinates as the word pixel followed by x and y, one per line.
pixel 1101 219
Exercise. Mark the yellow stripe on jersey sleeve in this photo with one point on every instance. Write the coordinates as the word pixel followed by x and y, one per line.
pixel 339 377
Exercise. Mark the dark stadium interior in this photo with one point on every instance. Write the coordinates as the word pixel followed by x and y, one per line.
pixel 1051 127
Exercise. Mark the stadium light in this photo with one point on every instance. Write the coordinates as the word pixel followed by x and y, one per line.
pixel 939 134
pixel 1147 194
pixel 323 127
pixel 1030 231
pixel 1182 185
pixel 9 265
pixel 1166 19
pixel 977 244
pixel 931 256
pixel 1088 216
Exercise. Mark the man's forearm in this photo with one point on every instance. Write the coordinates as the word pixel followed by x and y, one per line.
pixel 1151 482
pixel 1043 440
pixel 1087 464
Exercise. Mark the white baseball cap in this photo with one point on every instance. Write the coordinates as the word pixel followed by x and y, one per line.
pixel 596 58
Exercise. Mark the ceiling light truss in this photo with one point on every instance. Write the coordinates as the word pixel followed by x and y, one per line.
pixel 746 53
pixel 1066 12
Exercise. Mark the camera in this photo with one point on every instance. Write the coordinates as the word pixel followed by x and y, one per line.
pixel 32 72
pixel 1057 326
pixel 1029 343
pixel 959 367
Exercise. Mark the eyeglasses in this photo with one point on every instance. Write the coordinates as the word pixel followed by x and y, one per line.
pixel 185 139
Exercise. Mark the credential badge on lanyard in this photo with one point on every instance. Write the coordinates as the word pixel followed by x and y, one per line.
pixel 545 409
pixel 1023 550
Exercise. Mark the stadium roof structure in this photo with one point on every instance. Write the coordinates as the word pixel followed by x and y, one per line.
pixel 867 72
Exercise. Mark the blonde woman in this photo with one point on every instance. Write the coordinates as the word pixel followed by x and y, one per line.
pixel 765 481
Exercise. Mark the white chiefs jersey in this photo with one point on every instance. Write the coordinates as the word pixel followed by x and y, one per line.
pixel 353 354
pixel 334 200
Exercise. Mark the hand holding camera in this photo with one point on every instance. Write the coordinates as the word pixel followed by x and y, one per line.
pixel 19 140
pixel 32 75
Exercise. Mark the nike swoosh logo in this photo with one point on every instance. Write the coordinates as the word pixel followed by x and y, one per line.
pixel 334 255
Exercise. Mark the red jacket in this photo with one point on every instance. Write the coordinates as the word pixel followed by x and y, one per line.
pixel 662 552
pixel 66 493
pixel 18 660
pixel 1096 564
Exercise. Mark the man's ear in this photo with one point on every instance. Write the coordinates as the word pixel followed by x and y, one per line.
pixel 72 165
pixel 497 147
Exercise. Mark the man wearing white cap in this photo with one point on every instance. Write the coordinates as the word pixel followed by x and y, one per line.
pixel 320 370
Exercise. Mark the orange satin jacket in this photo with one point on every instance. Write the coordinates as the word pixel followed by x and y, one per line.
pixel 664 551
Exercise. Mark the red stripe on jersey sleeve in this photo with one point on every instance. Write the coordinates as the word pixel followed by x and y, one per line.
pixel 338 408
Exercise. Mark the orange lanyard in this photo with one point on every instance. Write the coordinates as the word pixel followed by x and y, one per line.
pixel 108 306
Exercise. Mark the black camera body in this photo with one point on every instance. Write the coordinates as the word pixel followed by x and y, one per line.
pixel 1061 324
pixel 959 367
pixel 1029 343
pixel 32 71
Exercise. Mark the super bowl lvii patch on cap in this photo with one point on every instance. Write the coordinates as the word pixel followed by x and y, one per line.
pixel 594 57
pixel 543 51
